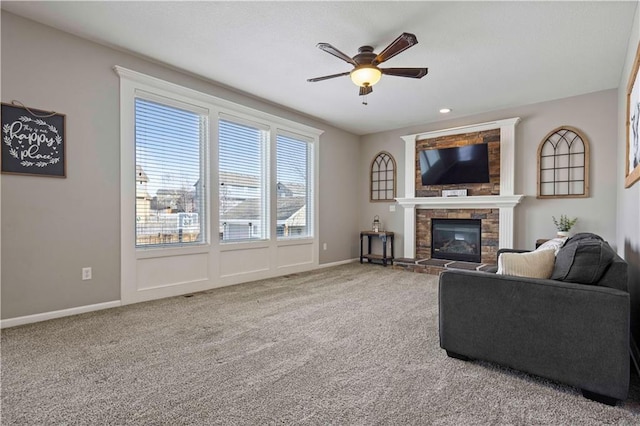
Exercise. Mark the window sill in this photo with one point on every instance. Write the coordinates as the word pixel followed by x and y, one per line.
pixel 154 252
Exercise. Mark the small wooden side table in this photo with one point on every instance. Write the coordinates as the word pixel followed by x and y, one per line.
pixel 386 237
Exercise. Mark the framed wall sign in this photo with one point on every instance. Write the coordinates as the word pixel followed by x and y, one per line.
pixel 33 141
pixel 633 117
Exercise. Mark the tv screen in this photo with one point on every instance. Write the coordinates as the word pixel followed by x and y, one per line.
pixel 462 164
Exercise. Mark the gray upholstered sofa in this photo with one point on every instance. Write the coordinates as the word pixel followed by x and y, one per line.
pixel 570 332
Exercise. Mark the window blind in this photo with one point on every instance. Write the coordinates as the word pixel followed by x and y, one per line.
pixel 293 187
pixel 170 174
pixel 243 191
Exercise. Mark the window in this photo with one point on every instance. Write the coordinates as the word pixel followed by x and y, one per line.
pixel 243 191
pixel 383 177
pixel 174 143
pixel 293 187
pixel 265 171
pixel 170 146
pixel 563 164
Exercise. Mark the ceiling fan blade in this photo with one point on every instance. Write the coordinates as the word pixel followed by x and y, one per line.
pixel 406 72
pixel 335 52
pixel 365 90
pixel 326 77
pixel 402 43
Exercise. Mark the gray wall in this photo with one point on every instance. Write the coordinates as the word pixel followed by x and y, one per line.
pixel 594 114
pixel 628 201
pixel 51 228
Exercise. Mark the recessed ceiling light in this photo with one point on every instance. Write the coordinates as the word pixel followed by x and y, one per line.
pixel 445 110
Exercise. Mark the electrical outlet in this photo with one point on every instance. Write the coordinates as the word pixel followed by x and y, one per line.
pixel 86 274
pixel 392 207
pixel 324 246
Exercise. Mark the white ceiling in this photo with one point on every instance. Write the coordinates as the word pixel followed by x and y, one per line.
pixel 481 56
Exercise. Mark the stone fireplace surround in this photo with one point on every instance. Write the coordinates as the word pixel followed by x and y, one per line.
pixel 496 211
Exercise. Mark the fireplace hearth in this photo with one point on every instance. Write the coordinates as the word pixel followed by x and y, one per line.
pixel 456 239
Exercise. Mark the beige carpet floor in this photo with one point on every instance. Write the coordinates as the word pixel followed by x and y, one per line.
pixel 354 344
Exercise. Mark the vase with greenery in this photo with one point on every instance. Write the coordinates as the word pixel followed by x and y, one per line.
pixel 564 224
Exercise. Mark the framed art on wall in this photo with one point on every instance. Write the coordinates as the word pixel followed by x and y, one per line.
pixel 632 159
pixel 33 141
pixel 382 182
pixel 563 164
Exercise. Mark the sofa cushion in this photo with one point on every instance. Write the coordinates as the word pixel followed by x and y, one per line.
pixel 583 261
pixel 535 264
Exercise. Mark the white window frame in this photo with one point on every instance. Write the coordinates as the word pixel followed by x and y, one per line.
pixel 225 264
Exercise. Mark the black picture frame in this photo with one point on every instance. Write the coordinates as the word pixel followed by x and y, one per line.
pixel 33 142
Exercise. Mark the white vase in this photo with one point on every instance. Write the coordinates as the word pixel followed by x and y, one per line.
pixel 563 234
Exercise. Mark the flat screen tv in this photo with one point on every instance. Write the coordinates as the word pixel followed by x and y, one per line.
pixel 457 165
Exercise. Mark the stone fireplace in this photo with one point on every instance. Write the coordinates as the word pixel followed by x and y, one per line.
pixel 492 205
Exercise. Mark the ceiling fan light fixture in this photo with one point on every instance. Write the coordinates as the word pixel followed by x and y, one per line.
pixel 366 75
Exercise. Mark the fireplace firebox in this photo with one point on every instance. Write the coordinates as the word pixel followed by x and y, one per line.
pixel 456 239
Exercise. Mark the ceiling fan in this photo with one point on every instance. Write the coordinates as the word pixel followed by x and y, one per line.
pixel 366 72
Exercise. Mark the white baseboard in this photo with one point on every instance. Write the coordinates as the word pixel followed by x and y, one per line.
pixel 28 319
pixel 338 263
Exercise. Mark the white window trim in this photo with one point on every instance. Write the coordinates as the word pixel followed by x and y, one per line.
pixel 132 82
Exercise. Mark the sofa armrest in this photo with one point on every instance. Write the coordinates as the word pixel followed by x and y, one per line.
pixel 577 334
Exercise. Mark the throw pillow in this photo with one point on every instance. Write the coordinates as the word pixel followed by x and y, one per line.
pixel 583 261
pixel 534 264
pixel 554 244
